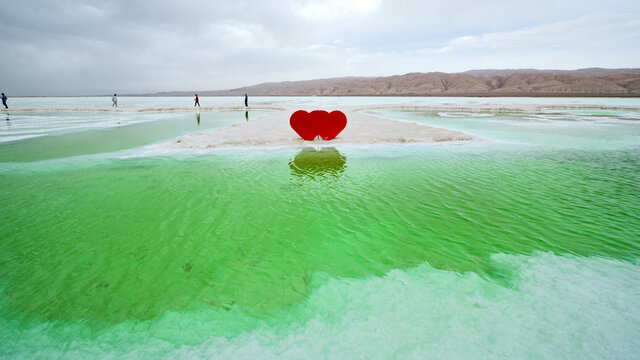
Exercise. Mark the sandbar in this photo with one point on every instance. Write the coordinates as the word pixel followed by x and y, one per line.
pixel 274 130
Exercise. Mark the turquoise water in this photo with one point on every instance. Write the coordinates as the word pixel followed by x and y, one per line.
pixel 548 129
pixel 68 134
pixel 522 245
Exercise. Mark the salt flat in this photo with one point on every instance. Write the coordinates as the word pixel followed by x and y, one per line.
pixel 274 130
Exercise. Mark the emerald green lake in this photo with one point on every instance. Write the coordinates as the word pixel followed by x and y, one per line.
pixel 523 243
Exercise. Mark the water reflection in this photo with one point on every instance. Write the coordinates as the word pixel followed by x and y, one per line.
pixel 318 164
pixel 198 118
pixel 246 115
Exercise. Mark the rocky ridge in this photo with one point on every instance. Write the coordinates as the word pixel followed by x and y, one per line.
pixel 523 82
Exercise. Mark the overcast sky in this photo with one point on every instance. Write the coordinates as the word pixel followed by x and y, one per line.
pixel 73 47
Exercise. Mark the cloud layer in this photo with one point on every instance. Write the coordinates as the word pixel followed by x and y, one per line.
pixel 98 47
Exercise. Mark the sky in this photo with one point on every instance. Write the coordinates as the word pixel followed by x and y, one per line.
pixel 85 47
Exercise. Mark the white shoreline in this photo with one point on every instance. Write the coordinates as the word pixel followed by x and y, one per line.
pixel 273 129
pixel 447 107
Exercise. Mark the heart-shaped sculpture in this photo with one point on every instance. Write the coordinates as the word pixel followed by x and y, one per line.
pixel 303 125
pixel 332 125
pixel 318 122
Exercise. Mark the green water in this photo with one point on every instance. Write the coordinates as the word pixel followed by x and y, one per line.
pixel 132 239
pixel 492 248
pixel 118 135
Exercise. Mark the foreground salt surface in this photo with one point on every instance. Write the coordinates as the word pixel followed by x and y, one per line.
pixel 555 307
pixel 274 130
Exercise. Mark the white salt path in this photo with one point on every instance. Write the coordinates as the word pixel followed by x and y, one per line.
pixel 274 130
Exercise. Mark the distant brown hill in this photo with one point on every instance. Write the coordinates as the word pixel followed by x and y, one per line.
pixel 521 82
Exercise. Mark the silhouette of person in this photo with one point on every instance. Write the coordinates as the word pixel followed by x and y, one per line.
pixel 197 101
pixel 4 101
pixel 246 100
pixel 114 99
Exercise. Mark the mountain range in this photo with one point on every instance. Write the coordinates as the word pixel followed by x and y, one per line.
pixel 510 82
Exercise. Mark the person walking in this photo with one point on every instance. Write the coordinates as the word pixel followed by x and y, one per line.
pixel 246 100
pixel 114 99
pixel 4 101
pixel 197 102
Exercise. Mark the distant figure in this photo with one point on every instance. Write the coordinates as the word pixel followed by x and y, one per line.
pixel 197 101
pixel 114 99
pixel 4 101
pixel 246 100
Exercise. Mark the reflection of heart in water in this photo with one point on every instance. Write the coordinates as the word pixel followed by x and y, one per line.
pixel 312 163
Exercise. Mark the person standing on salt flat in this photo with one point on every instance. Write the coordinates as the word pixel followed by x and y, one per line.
pixel 114 99
pixel 197 101
pixel 4 101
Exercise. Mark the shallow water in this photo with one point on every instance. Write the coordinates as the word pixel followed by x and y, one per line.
pixel 523 245
pixel 549 129
pixel 66 134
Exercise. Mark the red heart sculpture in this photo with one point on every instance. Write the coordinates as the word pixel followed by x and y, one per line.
pixel 333 125
pixel 302 124
pixel 318 122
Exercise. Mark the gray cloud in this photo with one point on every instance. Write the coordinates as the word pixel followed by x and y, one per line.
pixel 98 47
